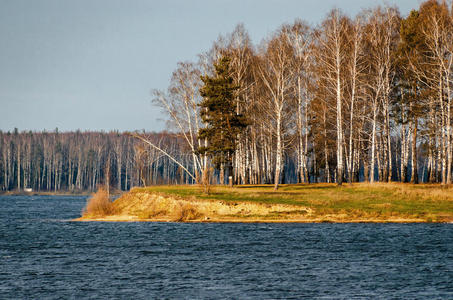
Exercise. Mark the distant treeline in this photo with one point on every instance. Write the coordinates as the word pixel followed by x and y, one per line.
pixel 80 161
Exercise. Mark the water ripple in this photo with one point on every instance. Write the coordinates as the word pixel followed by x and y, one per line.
pixel 43 256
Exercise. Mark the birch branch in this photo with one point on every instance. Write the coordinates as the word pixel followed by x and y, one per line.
pixel 163 152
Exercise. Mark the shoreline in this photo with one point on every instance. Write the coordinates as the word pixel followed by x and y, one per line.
pixel 128 219
pixel 317 203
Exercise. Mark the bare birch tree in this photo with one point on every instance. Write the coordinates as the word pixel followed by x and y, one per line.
pixel 276 71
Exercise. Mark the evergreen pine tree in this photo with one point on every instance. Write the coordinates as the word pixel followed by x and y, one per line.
pixel 219 113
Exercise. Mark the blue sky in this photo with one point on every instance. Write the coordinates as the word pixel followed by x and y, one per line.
pixel 91 64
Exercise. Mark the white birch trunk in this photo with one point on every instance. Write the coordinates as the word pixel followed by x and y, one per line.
pixel 18 166
pixel 279 154
pixel 373 144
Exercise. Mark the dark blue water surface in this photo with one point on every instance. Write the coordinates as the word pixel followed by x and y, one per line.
pixel 45 255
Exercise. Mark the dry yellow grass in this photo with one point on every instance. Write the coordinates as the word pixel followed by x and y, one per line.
pixel 359 202
pixel 151 206
pixel 98 205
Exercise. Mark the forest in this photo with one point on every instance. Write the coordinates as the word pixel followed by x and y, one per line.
pixel 354 98
pixel 366 98
pixel 81 161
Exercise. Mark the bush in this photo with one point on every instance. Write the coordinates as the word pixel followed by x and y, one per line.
pixel 99 204
pixel 186 212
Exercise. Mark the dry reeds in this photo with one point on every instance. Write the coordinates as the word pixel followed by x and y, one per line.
pixel 98 204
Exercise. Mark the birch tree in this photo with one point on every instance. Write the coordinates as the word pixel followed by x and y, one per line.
pixel 330 56
pixel 182 105
pixel 436 25
pixel 299 36
pixel 381 42
pixel 276 70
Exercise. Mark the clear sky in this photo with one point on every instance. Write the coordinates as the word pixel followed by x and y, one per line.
pixel 91 64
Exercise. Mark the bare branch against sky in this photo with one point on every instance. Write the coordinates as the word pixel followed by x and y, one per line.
pixel 91 64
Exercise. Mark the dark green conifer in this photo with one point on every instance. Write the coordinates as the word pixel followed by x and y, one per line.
pixel 219 113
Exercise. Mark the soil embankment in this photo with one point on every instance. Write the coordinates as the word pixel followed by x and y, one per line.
pixel 293 203
pixel 165 208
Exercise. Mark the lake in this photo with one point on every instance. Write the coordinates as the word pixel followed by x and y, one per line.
pixel 43 255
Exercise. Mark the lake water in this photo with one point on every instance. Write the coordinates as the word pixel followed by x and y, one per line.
pixel 43 255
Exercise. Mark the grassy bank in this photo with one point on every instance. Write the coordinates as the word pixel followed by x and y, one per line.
pixel 381 202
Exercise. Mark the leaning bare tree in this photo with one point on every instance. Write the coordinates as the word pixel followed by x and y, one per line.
pixel 181 103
